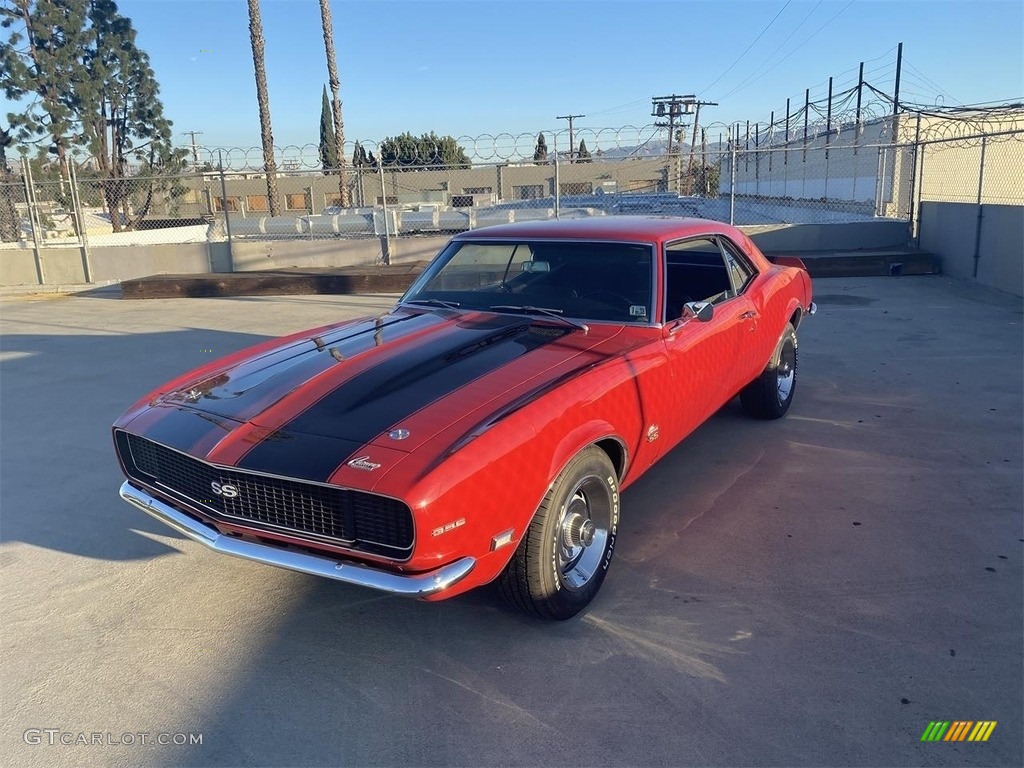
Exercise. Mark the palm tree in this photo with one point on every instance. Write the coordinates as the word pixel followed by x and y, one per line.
pixel 332 74
pixel 269 165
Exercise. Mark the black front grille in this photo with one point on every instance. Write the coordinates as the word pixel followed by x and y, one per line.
pixel 363 521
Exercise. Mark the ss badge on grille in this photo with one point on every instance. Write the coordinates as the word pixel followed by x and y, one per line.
pixel 225 490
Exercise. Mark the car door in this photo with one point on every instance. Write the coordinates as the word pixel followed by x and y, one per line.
pixel 702 354
pixel 749 355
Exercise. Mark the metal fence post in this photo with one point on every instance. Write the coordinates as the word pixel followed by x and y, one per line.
pixel 224 207
pixel 554 144
pixel 732 185
pixel 880 182
pixel 981 207
pixel 33 218
pixel 915 219
pixel 83 236
pixel 385 255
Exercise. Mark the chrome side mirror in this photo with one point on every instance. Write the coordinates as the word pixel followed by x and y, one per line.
pixel 702 311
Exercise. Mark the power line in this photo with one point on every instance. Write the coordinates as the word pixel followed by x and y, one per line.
pixel 618 108
pixel 747 49
pixel 931 82
pixel 779 48
pixel 801 45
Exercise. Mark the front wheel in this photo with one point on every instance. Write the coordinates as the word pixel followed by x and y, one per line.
pixel 771 393
pixel 562 559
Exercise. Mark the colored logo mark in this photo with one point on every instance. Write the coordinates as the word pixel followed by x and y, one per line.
pixel 958 730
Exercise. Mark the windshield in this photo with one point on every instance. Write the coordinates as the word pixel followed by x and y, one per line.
pixel 608 282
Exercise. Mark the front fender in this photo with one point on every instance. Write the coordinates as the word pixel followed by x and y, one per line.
pixel 495 482
pixel 579 438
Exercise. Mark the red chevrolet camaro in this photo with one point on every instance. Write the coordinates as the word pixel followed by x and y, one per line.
pixel 486 426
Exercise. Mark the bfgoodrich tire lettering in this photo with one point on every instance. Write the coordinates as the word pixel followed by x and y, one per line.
pixel 564 556
pixel 771 393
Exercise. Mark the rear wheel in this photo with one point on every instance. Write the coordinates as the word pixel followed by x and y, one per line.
pixel 562 560
pixel 771 393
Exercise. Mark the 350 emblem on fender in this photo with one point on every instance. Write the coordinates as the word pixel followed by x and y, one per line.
pixel 224 489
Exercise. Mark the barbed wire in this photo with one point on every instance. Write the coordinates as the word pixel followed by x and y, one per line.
pixel 873 124
pixel 484 149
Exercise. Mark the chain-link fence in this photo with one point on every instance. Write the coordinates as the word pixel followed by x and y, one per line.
pixel 853 172
pixel 969 202
pixel 15 223
pixel 985 169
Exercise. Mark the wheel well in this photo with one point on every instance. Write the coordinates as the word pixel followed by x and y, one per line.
pixel 616 453
pixel 795 319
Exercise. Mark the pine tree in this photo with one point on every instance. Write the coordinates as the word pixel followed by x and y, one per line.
pixel 88 85
pixel 583 155
pixel 540 152
pixel 42 63
pixel 328 147
pixel 122 117
pixel 360 159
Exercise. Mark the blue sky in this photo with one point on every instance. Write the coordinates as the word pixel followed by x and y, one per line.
pixel 471 68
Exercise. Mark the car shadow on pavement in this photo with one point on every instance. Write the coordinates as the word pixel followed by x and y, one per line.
pixel 60 395
pixel 374 679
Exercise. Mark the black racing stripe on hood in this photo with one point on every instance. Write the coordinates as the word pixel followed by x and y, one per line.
pixel 364 407
pixel 242 395
pixel 304 457
pixel 182 428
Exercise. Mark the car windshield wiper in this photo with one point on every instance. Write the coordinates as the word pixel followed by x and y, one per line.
pixel 434 303
pixel 552 313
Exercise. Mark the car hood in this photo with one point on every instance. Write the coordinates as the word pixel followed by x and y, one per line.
pixel 393 381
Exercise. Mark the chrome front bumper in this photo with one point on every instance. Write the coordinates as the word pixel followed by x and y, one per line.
pixel 419 585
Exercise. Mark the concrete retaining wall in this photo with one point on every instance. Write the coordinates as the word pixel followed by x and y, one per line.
pixel 64 266
pixel 258 255
pixel 852 236
pixel 141 260
pixel 18 267
pixel 951 230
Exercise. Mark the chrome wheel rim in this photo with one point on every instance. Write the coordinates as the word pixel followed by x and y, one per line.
pixel 582 532
pixel 785 373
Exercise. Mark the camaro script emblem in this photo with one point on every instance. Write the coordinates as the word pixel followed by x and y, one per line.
pixel 363 462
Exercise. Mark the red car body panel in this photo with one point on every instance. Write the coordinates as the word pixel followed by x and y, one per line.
pixel 493 406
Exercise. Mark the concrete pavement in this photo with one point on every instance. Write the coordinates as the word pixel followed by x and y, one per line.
pixel 812 591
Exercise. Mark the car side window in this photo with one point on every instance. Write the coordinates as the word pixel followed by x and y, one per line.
pixel 741 272
pixel 695 270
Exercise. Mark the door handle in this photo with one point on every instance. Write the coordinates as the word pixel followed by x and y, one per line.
pixel 750 314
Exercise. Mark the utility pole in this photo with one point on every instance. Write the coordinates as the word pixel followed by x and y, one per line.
pixel 195 148
pixel 697 103
pixel 572 146
pixel 896 88
pixel 672 107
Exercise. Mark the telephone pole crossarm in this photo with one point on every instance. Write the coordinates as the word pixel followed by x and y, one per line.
pixel 195 147
pixel 572 146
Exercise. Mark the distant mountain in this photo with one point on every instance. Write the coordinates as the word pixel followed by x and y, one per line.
pixel 652 148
